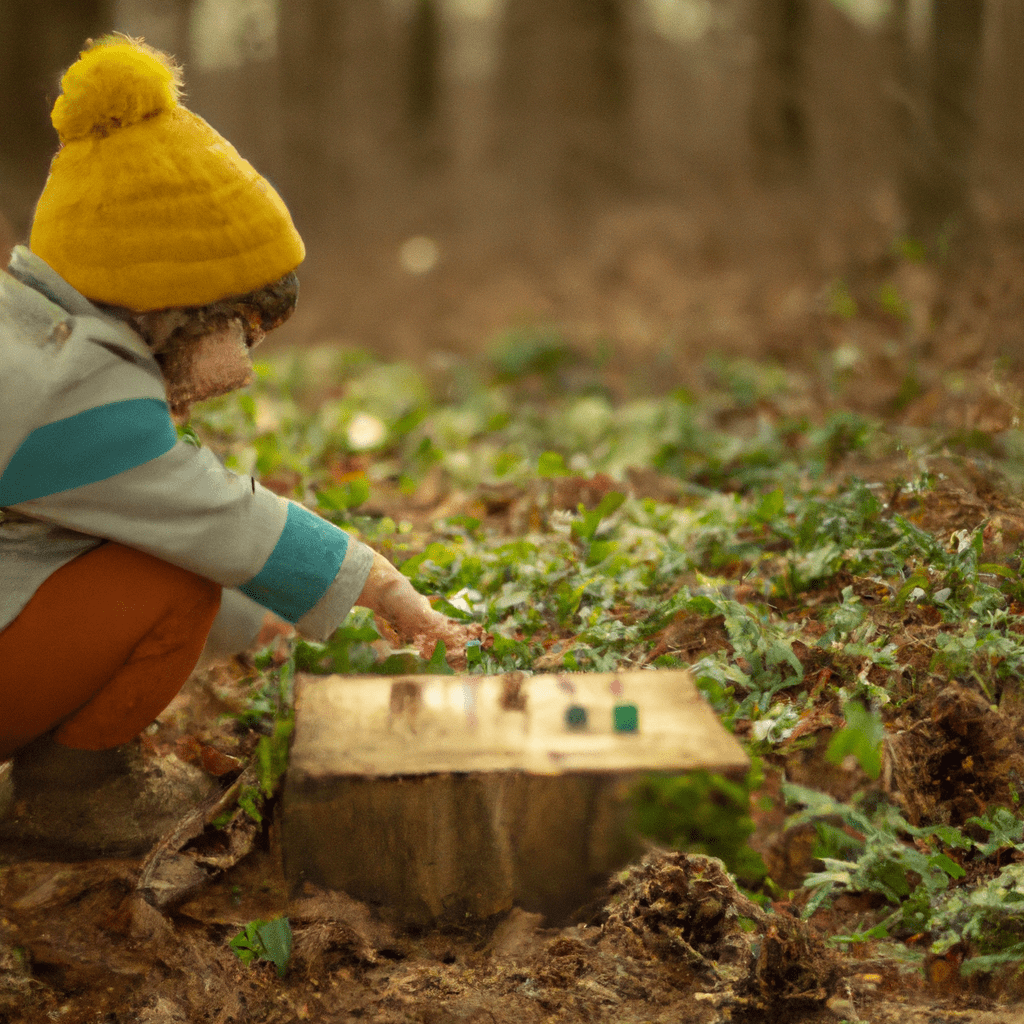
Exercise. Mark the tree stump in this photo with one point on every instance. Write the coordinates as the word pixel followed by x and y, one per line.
pixel 442 797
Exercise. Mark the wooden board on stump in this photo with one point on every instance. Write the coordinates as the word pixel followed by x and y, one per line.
pixel 439 797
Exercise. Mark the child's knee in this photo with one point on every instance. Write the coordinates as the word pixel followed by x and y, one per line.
pixel 207 595
pixel 199 603
pixel 182 592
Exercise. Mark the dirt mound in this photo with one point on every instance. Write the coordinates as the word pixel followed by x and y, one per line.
pixel 956 755
pixel 686 911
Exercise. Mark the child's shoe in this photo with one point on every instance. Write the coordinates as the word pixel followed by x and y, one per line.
pixel 70 804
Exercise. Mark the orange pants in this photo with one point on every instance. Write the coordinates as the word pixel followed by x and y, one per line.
pixel 101 649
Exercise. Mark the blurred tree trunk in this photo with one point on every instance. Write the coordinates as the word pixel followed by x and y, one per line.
pixel 1005 94
pixel 338 102
pixel 905 107
pixel 311 56
pixel 936 117
pixel 423 84
pixel 176 35
pixel 779 133
pixel 1012 35
pixel 562 94
pixel 37 41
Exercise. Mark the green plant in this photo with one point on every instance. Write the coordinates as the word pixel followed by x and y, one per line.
pixel 702 812
pixel 551 464
pixel 585 528
pixel 892 302
pixel 861 738
pixel 916 869
pixel 344 496
pixel 265 940
pixel 840 302
pixel 188 434
pixel 272 710
pixel 347 652
pixel 911 249
pixel 518 353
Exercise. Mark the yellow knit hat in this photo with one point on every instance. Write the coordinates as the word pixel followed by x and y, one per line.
pixel 146 206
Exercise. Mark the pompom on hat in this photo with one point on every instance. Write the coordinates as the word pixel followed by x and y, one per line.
pixel 146 206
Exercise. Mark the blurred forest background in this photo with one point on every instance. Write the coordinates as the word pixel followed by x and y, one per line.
pixel 657 179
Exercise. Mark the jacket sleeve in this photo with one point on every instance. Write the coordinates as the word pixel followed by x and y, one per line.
pixel 186 508
pixel 103 458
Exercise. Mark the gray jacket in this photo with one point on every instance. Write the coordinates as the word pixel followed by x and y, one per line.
pixel 88 453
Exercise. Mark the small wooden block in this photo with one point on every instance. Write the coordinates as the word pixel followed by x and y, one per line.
pixel 441 795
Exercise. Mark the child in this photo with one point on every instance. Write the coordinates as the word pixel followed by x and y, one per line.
pixel 157 258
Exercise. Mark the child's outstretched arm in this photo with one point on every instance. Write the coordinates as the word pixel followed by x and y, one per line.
pixel 393 599
pixel 403 615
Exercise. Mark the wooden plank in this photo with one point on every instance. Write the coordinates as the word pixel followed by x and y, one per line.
pixel 381 726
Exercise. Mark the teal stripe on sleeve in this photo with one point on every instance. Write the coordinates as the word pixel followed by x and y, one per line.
pixel 86 448
pixel 303 564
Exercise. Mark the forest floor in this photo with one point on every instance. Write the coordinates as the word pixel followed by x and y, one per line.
pixel 810 493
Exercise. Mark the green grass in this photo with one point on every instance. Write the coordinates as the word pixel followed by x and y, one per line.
pixel 766 536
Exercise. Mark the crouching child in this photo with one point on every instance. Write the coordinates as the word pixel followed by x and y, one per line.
pixel 157 259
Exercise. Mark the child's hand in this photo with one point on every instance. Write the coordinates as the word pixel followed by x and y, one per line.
pixel 393 599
